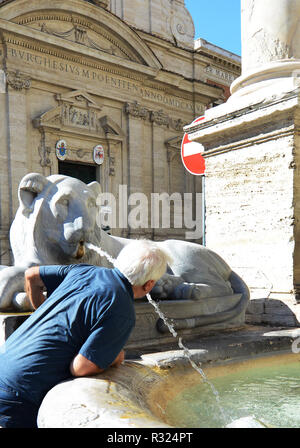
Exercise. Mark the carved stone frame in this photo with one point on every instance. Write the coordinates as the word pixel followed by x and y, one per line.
pixel 78 120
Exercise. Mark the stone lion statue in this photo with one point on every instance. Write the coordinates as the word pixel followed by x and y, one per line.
pixel 57 219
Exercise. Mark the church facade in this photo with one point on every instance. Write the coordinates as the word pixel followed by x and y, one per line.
pixel 101 90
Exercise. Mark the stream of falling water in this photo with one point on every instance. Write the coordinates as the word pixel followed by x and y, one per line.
pixel 170 327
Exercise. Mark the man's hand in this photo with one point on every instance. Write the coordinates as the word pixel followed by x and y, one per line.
pixel 81 366
pixel 34 286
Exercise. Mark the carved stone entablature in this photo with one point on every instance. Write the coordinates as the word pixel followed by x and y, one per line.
pixel 159 117
pixel 17 80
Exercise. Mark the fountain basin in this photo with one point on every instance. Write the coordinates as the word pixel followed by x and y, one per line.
pixel 161 389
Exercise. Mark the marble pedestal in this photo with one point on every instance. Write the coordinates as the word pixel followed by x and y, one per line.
pixel 146 334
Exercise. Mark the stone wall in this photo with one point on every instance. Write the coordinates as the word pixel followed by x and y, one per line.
pixel 252 197
pixel 255 207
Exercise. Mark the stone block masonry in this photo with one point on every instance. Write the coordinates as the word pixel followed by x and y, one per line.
pixel 252 196
pixel 252 218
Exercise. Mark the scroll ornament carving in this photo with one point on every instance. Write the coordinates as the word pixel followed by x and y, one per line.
pixel 18 81
pixel 177 124
pixel 158 117
pixel 136 110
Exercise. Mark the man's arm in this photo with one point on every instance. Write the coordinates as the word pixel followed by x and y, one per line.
pixel 34 286
pixel 81 366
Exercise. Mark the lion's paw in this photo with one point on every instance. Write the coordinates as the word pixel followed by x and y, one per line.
pixel 165 286
pixel 192 291
pixel 21 302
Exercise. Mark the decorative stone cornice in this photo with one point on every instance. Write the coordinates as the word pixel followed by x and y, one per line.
pixel 18 81
pixel 158 117
pixel 136 110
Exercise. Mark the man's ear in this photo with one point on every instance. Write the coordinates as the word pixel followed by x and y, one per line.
pixel 29 188
pixel 149 285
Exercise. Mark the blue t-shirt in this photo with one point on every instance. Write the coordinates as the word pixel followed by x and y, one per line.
pixel 89 310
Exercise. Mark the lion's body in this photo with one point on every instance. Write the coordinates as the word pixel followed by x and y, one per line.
pixel 56 219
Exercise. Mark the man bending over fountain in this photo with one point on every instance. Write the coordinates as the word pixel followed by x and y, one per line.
pixel 79 330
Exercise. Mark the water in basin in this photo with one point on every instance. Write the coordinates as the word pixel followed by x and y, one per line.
pixel 268 391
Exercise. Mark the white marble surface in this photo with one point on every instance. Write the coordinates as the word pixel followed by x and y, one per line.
pixel 270 44
pixel 270 31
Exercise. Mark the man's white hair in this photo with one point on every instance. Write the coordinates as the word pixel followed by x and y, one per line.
pixel 142 260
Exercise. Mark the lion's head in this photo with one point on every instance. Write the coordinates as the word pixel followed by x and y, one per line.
pixel 56 218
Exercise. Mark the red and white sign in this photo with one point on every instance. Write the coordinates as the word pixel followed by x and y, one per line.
pixel 191 156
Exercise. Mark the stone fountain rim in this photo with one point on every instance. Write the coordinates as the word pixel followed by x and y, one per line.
pixel 129 394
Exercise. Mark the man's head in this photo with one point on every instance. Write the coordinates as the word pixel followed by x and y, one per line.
pixel 142 262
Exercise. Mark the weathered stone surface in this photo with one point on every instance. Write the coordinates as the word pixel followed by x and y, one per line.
pixel 270 50
pixel 252 196
pixel 270 32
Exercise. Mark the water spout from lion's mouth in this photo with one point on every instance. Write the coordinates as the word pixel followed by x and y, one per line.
pixel 80 251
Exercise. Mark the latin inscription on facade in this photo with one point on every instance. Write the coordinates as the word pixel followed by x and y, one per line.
pixel 103 78
pixel 221 74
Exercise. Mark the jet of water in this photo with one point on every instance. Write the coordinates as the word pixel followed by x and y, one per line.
pixel 101 252
pixel 170 327
pixel 162 316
